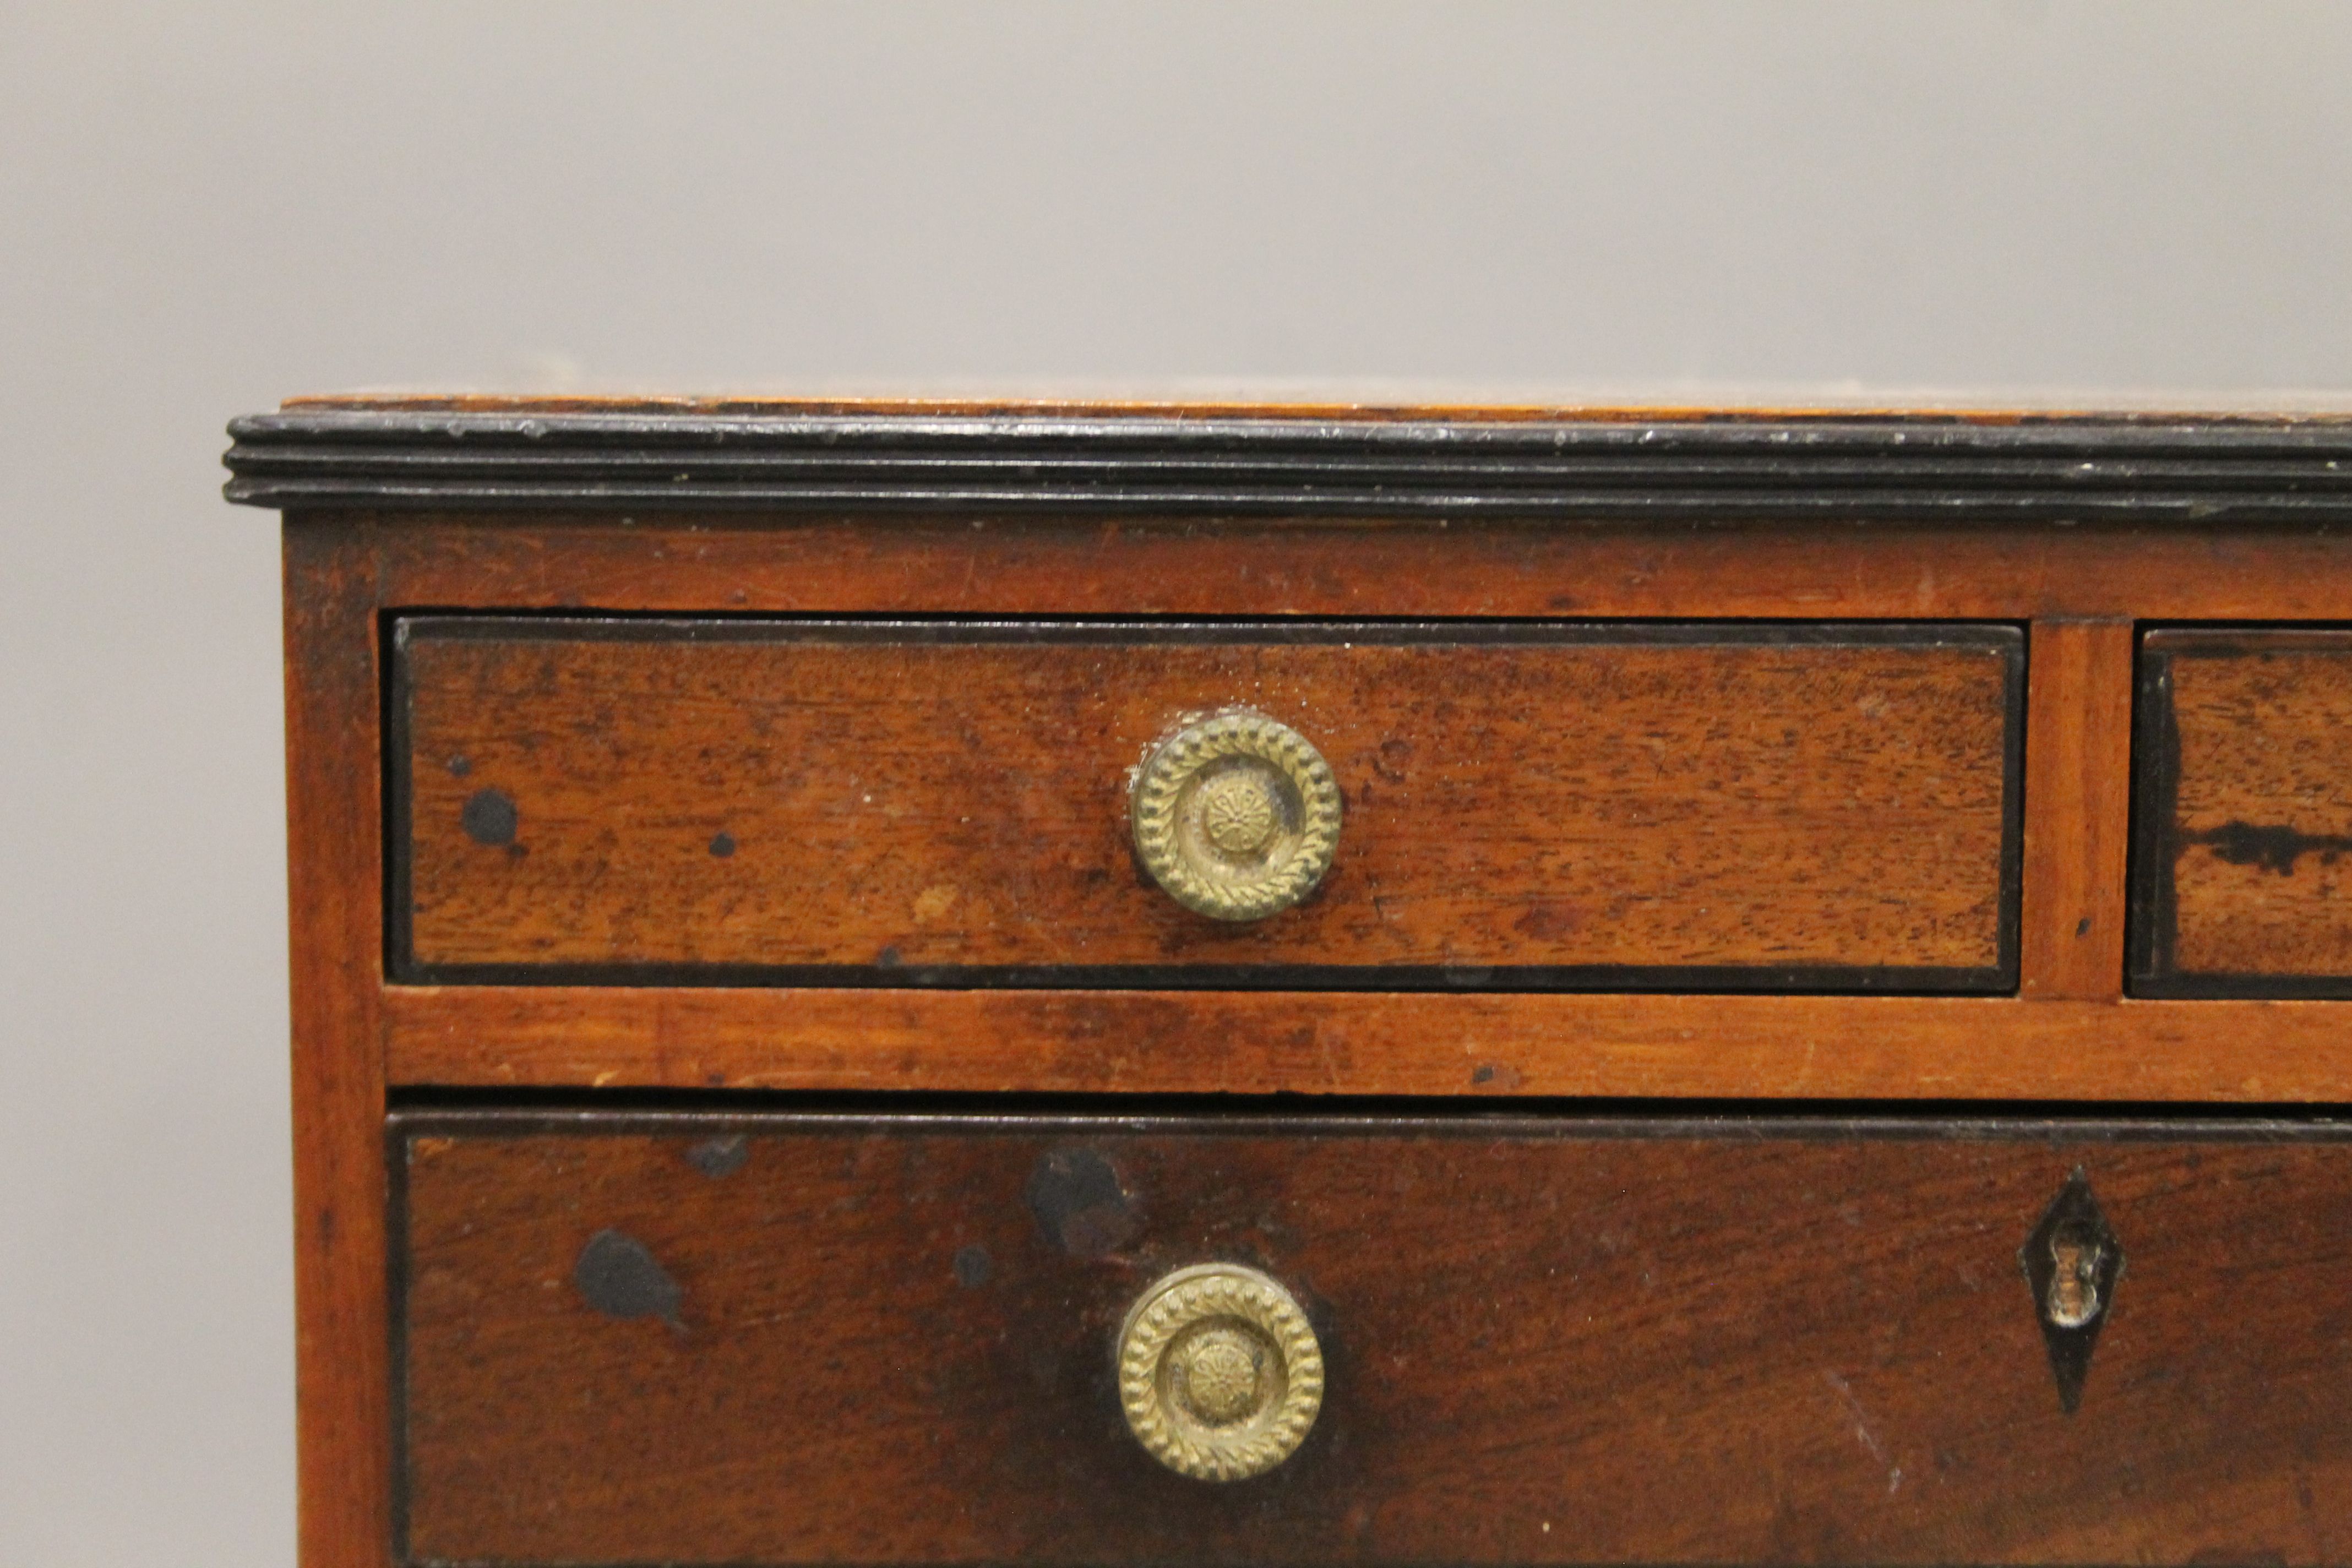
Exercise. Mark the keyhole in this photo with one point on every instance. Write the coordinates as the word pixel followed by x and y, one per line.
pixel 2074 1284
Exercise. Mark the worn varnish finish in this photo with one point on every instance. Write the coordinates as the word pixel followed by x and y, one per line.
pixel 1716 1435
pixel 2246 812
pixel 1559 466
pixel 1803 806
pixel 334 861
pixel 991 563
pixel 805 1341
pixel 2078 776
pixel 1725 1046
pixel 1870 1047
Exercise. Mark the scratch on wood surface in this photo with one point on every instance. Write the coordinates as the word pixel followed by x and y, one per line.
pixel 1869 1439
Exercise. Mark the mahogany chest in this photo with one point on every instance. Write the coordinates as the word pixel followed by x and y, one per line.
pixel 959 984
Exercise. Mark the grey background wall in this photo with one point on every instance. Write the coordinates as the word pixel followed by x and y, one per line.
pixel 203 209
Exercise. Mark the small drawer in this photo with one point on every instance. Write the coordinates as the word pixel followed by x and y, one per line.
pixel 768 1339
pixel 2242 882
pixel 1827 807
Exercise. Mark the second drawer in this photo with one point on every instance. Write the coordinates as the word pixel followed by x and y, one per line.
pixel 790 1339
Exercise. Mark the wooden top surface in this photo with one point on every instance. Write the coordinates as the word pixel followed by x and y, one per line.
pixel 1328 458
pixel 1327 406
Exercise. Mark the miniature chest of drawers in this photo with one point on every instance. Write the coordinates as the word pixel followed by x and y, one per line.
pixel 957 983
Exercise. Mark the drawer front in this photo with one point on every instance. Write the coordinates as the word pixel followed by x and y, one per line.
pixel 2241 883
pixel 1690 807
pixel 771 1339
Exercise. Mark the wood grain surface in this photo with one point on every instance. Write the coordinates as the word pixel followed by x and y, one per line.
pixel 1670 1401
pixel 1764 806
pixel 2246 812
pixel 988 565
pixel 1572 1342
pixel 1512 1044
pixel 2078 781
pixel 342 1381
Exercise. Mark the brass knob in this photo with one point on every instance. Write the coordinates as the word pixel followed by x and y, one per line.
pixel 1237 816
pixel 1219 1372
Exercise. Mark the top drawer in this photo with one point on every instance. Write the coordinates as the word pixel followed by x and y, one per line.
pixel 1828 807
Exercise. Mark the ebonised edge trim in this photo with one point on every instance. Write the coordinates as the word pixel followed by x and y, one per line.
pixel 1921 468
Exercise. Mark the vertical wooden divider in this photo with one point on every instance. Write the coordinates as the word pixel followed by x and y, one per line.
pixel 343 1357
pixel 2077 808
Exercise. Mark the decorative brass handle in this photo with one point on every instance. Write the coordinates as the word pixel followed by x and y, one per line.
pixel 1219 1372
pixel 1237 816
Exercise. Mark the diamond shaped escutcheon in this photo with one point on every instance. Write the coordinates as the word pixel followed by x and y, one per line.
pixel 2072 1261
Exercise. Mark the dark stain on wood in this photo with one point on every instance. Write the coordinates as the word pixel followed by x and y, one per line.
pixel 488 817
pixel 2274 849
pixel 618 1276
pixel 1080 1204
pixel 721 1156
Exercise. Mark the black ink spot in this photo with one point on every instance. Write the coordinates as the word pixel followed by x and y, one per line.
pixel 489 817
pixel 972 1266
pixel 888 958
pixel 621 1279
pixel 1079 1204
pixel 1483 1073
pixel 723 846
pixel 2275 849
pixel 460 765
pixel 2083 926
pixel 716 1157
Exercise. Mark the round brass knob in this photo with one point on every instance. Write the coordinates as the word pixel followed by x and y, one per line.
pixel 1237 816
pixel 1219 1372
